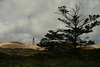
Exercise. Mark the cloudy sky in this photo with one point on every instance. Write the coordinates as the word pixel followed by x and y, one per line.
pixel 21 20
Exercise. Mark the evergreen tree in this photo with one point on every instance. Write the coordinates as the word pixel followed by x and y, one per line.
pixel 76 25
pixel 55 40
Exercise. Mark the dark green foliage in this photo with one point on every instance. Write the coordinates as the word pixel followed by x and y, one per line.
pixel 55 41
pixel 91 42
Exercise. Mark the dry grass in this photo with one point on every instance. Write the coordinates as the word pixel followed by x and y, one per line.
pixel 15 44
pixel 90 47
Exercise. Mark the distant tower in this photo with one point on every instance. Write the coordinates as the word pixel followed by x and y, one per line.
pixel 33 41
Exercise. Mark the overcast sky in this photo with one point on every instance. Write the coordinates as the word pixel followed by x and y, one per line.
pixel 21 20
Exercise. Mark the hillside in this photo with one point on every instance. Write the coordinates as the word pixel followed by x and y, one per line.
pixel 90 46
pixel 15 44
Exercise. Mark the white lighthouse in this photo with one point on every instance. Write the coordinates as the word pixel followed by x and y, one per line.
pixel 33 41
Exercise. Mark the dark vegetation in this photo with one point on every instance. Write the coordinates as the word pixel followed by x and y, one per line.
pixel 84 58
pixel 60 46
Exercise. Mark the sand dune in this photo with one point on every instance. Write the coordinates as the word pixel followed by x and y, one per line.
pixel 90 46
pixel 95 46
pixel 15 44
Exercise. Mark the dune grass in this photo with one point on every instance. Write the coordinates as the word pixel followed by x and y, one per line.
pixel 49 63
pixel 85 58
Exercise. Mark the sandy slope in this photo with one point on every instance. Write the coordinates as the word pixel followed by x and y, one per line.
pixel 15 44
pixel 90 46
pixel 95 46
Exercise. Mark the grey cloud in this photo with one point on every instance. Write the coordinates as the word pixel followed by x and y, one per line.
pixel 23 20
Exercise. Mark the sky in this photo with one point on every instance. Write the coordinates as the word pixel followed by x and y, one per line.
pixel 21 20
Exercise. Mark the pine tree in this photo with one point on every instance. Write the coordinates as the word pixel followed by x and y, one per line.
pixel 76 25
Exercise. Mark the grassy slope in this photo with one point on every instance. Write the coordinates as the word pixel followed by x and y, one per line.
pixel 49 63
pixel 12 58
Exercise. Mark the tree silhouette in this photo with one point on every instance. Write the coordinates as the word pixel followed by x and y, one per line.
pixel 76 25
pixel 54 40
pixel 91 42
pixel 86 41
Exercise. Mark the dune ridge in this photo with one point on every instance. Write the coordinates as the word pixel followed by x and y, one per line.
pixel 16 44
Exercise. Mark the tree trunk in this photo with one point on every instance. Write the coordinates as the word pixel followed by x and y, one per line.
pixel 75 37
pixel 75 41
